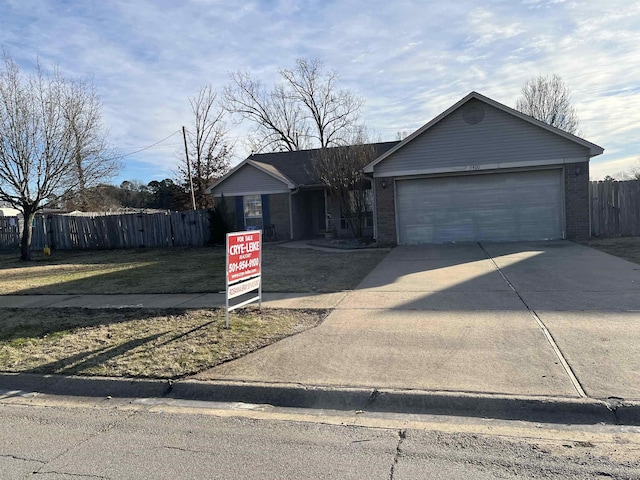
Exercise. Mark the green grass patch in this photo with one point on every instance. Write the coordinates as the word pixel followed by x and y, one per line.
pixel 138 342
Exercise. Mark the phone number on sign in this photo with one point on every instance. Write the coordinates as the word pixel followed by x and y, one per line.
pixel 244 265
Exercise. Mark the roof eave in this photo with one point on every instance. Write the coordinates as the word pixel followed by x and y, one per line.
pixel 210 188
pixel 418 132
pixel 281 176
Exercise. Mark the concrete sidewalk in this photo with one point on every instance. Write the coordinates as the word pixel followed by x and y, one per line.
pixel 175 300
pixel 542 331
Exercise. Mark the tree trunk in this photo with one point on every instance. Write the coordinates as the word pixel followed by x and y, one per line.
pixel 27 233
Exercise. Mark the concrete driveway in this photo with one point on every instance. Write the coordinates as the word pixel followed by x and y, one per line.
pixel 541 318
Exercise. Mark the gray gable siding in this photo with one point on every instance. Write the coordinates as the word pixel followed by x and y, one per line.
pixel 499 140
pixel 248 180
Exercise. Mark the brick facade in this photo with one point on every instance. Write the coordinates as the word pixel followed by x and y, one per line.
pixel 279 212
pixel 576 200
pixel 386 211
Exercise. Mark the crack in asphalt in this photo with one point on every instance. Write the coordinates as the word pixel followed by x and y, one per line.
pixel 402 435
pixel 108 428
pixel 563 361
pixel 15 457
pixel 181 449
pixel 67 474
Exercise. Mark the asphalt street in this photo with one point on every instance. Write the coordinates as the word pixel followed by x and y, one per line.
pixel 163 441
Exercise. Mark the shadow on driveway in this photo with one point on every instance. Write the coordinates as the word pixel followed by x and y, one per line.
pixel 444 318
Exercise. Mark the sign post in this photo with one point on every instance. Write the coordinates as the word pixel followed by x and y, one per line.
pixel 243 268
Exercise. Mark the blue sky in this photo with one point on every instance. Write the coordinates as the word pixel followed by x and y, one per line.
pixel 409 60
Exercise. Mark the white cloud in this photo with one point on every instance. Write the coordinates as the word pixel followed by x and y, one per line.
pixel 410 60
pixel 598 170
pixel 487 28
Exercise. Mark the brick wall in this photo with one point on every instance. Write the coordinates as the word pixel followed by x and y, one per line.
pixel 279 213
pixel 386 211
pixel 576 194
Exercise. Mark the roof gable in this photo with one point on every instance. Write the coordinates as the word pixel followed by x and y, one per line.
pixel 591 148
pixel 251 177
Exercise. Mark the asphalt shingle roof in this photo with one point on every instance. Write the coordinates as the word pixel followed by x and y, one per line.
pixel 297 165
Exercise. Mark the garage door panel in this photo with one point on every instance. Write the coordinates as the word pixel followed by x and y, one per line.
pixel 489 207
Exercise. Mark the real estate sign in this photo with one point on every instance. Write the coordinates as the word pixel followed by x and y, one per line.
pixel 244 267
pixel 243 255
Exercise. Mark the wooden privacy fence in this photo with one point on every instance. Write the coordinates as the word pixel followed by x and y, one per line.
pixel 168 229
pixel 9 233
pixel 615 208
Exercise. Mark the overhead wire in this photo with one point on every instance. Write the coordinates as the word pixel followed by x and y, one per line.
pixel 145 148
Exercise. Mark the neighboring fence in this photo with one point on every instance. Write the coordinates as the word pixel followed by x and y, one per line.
pixel 615 208
pixel 9 233
pixel 170 229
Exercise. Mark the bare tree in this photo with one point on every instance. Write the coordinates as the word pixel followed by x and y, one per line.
pixel 277 119
pixel 94 160
pixel 208 145
pixel 305 110
pixel 51 140
pixel 632 173
pixel 340 169
pixel 99 198
pixel 548 99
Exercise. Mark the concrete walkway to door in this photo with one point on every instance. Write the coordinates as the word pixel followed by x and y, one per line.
pixel 549 319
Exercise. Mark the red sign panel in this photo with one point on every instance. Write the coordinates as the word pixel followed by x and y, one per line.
pixel 243 255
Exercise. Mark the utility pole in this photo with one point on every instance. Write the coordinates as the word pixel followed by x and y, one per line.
pixel 186 153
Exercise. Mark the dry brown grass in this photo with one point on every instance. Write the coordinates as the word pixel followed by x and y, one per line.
pixel 179 270
pixel 623 247
pixel 305 270
pixel 138 342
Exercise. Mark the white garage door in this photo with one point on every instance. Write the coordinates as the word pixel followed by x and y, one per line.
pixel 490 207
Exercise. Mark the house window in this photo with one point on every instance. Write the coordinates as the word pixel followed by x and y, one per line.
pixel 368 214
pixel 253 212
pixel 368 221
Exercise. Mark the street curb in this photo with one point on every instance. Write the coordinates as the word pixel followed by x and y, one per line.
pixel 83 386
pixel 504 407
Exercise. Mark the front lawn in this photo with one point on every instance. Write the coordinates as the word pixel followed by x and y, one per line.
pixel 623 247
pixel 138 342
pixel 179 270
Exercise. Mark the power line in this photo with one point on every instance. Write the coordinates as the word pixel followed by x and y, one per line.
pixel 143 149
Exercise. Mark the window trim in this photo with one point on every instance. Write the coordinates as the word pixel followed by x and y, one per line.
pixel 254 220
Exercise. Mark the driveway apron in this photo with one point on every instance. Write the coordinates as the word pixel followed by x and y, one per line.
pixel 590 302
pixel 491 318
